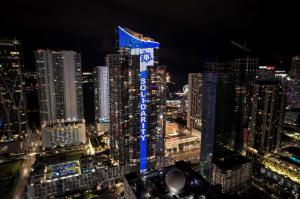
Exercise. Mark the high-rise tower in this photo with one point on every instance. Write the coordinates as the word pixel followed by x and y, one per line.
pixel 222 115
pixel 266 116
pixel 13 118
pixel 293 97
pixel 59 78
pixel 101 92
pixel 137 96
pixel 194 115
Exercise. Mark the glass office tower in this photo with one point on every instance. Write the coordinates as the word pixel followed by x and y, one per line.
pixel 222 115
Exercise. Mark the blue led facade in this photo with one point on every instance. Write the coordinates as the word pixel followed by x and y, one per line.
pixel 143 120
pixel 144 47
pixel 126 40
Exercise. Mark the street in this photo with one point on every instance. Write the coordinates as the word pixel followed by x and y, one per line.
pixel 19 193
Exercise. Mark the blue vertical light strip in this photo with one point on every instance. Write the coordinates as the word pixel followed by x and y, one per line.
pixel 143 120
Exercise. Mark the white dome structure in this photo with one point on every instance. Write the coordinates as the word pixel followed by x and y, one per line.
pixel 175 180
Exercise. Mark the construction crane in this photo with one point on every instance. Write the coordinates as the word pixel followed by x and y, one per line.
pixel 243 47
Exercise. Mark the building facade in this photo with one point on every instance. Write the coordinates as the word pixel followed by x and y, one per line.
pixel 266 116
pixel 13 118
pixel 57 179
pixel 101 92
pixel 233 174
pixel 223 113
pixel 60 92
pixel 194 114
pixel 295 86
pixel 247 68
pixel 137 99
pixel 63 134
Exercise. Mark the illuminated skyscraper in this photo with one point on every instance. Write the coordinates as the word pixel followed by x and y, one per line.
pixel 13 118
pixel 59 78
pixel 137 96
pixel 101 92
pixel 194 115
pixel 222 115
pixel 266 116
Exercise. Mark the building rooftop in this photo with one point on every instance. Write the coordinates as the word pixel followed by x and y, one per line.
pixel 177 181
pixel 131 39
pixel 175 137
pixel 137 35
pixel 64 123
pixel 53 167
pixel 62 170
pixel 231 162
pixel 287 166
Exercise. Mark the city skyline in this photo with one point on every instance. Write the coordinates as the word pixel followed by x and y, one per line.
pixel 164 100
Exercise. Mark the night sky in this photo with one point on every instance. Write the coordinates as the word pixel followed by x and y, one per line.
pixel 190 31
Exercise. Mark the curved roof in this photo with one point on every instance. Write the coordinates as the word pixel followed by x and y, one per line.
pixel 131 39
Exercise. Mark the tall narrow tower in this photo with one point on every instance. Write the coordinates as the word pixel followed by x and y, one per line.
pixel 266 116
pixel 137 97
pixel 13 120
pixel 223 112
pixel 101 92
pixel 194 115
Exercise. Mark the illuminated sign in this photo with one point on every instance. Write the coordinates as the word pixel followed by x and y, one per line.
pixel 267 67
pixel 144 47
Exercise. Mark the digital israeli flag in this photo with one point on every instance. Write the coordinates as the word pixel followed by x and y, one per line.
pixel 145 49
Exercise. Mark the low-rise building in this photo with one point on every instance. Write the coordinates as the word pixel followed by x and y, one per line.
pixel 233 174
pixel 176 181
pixel 54 176
pixel 181 143
pixel 57 179
pixel 63 134
pixel 281 170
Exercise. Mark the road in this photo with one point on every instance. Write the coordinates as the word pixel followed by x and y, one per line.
pixel 19 193
pixel 25 170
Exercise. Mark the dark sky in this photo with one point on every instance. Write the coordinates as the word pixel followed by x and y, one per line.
pixel 190 31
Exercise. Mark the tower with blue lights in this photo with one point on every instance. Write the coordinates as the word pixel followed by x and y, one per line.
pixel 137 97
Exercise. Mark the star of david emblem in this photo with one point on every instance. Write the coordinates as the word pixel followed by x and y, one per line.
pixel 146 57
